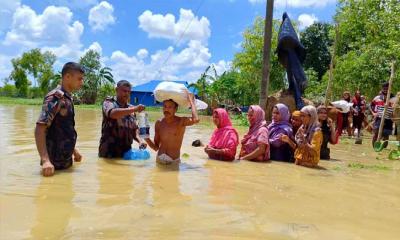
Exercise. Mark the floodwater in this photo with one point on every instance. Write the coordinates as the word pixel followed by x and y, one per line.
pixel 204 199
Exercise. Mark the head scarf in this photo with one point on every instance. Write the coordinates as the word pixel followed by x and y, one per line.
pixel 259 122
pixel 296 113
pixel 284 119
pixel 312 126
pixel 218 138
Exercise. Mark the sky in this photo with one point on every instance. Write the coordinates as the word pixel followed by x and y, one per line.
pixel 142 40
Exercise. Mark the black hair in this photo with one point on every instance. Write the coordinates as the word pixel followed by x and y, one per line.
pixel 72 67
pixel 385 85
pixel 124 83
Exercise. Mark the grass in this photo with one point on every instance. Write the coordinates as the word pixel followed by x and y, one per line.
pixel 20 101
pixel 378 167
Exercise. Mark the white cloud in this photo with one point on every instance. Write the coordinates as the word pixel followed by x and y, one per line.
pixel 305 20
pixel 222 66
pixel 142 53
pixel 101 16
pixel 53 29
pixel 164 64
pixel 7 9
pixel 96 47
pixel 188 27
pixel 297 3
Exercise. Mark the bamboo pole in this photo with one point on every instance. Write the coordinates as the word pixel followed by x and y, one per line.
pixel 328 92
pixel 387 101
pixel 396 118
pixel 266 54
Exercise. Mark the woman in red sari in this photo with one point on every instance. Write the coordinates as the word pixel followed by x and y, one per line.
pixel 224 140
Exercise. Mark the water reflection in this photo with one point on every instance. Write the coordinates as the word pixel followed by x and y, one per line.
pixel 54 206
pixel 115 183
pixel 168 202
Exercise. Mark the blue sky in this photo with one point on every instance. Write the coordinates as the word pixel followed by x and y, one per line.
pixel 142 40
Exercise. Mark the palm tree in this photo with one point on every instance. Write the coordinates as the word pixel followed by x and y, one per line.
pixel 93 83
pixel 105 76
pixel 202 84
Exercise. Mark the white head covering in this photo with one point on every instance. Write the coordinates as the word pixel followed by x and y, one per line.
pixel 312 126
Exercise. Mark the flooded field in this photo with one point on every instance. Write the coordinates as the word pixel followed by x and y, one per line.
pixel 354 196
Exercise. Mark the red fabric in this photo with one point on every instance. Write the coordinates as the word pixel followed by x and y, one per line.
pixel 339 127
pixel 225 137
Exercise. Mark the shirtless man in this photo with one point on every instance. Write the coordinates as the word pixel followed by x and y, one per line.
pixel 169 132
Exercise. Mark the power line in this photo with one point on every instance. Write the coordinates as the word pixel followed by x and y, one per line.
pixel 181 36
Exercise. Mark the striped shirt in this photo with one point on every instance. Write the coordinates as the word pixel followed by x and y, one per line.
pixel 388 114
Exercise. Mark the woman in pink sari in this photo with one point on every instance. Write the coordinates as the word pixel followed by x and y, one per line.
pixel 224 140
pixel 255 146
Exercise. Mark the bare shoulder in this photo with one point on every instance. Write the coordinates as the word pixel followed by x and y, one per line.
pixel 183 121
pixel 158 123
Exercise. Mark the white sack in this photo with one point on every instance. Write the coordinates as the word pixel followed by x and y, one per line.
pixel 177 92
pixel 343 105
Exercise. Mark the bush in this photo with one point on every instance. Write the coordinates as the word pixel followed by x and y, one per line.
pixel 8 90
pixel 35 92
pixel 106 90
pixel 240 120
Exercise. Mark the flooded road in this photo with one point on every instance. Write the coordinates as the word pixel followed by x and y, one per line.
pixel 354 196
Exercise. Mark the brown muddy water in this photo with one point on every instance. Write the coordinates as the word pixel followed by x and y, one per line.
pixel 354 196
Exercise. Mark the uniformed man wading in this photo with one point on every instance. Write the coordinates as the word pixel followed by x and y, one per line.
pixel 55 133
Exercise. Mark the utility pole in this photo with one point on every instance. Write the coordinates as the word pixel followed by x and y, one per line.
pixel 266 54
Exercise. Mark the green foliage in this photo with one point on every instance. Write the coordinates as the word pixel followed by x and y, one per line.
pixel 316 88
pixel 95 76
pixel 106 90
pixel 317 42
pixel 376 167
pixel 225 90
pixel 249 62
pixel 240 120
pixel 202 85
pixel 36 64
pixel 20 79
pixel 369 33
pixel 8 90
pixel 35 92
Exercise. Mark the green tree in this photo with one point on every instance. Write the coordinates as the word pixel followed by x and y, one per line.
pixel 369 33
pixel 317 42
pixel 204 82
pixel 36 64
pixel 106 90
pixel 95 76
pixel 55 80
pixel 224 90
pixel 18 75
pixel 8 90
pixel 248 62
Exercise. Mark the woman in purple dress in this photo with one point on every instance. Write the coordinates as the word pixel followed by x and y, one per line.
pixel 279 130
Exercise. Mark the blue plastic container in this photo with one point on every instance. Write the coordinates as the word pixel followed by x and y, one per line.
pixel 137 154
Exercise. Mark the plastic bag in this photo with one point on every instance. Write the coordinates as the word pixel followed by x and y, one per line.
pixel 137 154
pixel 177 92
pixel 342 105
